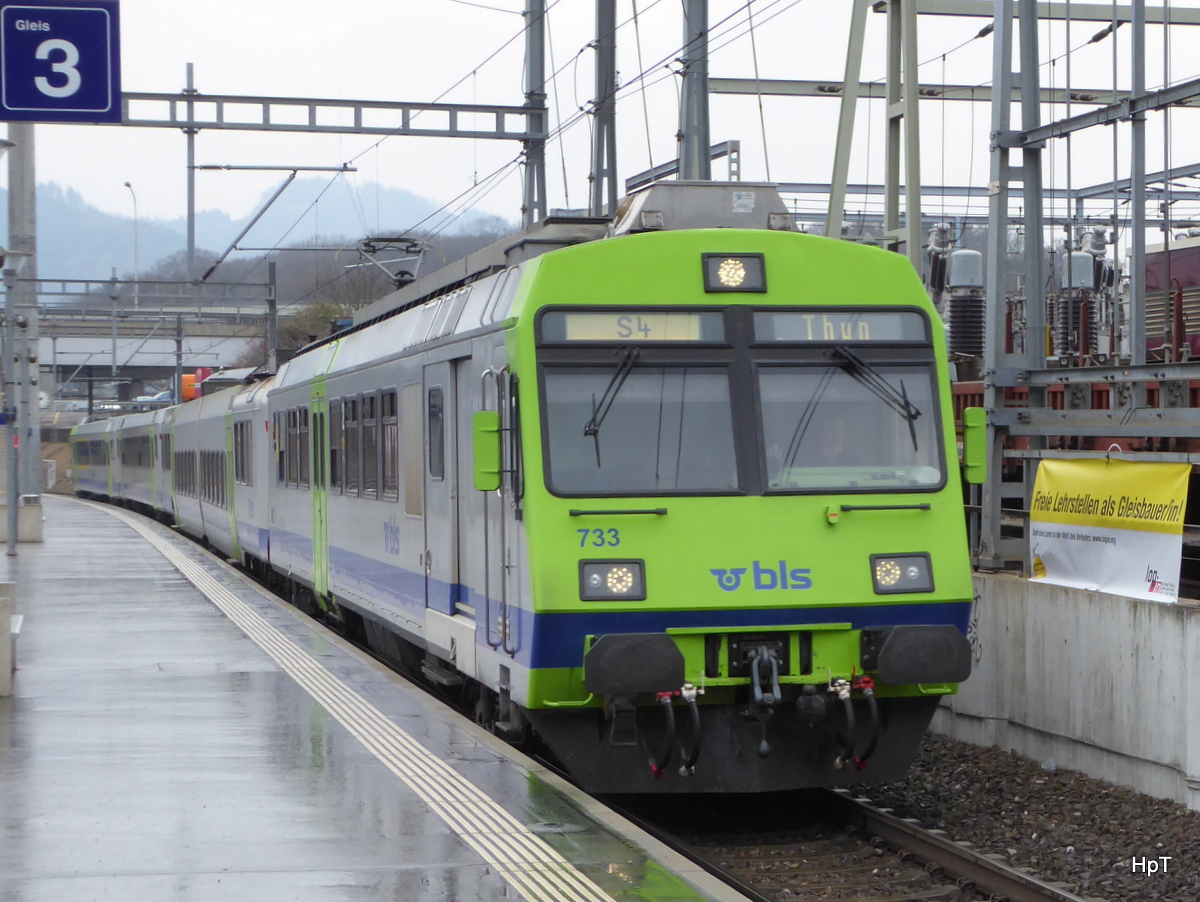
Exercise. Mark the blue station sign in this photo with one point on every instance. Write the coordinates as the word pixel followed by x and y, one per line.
pixel 60 62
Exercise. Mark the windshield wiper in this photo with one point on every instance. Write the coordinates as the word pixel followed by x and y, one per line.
pixel 600 410
pixel 806 418
pixel 871 379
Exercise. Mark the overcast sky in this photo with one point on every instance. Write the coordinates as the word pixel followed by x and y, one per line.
pixel 453 51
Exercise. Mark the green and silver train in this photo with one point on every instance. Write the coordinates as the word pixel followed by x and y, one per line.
pixel 678 494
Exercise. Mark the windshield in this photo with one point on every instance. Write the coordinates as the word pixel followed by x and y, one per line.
pixel 828 428
pixel 667 430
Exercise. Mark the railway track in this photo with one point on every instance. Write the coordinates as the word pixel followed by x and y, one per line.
pixel 847 849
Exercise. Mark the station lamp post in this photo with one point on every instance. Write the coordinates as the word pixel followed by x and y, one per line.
pixel 12 261
pixel 135 244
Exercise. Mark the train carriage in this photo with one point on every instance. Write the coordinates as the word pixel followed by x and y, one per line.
pixel 684 502
pixel 201 470
pixel 92 468
pixel 248 472
pixel 138 475
pixel 367 429
pixel 164 496
pixel 214 485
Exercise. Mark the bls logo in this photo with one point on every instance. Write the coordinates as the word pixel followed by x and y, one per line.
pixel 765 577
pixel 391 536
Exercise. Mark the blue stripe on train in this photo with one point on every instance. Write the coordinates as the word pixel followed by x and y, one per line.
pixel 558 639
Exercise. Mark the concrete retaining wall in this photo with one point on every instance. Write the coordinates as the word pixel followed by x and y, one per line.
pixel 1097 683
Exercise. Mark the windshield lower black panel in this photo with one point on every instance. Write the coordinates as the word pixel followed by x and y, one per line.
pixel 824 429
pixel 669 430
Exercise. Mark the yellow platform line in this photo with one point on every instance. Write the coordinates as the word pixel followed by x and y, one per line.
pixel 523 858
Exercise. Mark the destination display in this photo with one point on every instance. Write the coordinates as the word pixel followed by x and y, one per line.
pixel 631 327
pixel 839 326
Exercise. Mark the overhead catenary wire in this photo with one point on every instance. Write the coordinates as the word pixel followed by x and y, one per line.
pixel 642 78
pixel 943 137
pixel 375 145
pixel 495 9
pixel 721 29
pixel 726 23
pixel 570 122
pixel 353 193
pixel 1166 199
pixel 562 152
pixel 1116 150
pixel 487 184
pixel 1070 174
pixel 495 53
pixel 626 85
pixel 729 29
pixel 762 118
pixel 970 164
pixel 291 228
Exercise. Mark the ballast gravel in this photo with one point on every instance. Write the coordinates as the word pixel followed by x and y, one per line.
pixel 1102 840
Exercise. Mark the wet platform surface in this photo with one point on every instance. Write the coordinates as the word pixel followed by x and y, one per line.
pixel 175 733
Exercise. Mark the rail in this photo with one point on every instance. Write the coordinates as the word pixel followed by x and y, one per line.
pixel 989 873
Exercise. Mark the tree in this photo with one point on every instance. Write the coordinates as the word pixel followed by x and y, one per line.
pixel 173 267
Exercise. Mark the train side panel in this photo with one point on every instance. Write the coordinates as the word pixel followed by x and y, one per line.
pixel 406 545
pixel 135 447
pixel 293 500
pixel 164 497
pixel 252 476
pixel 90 453
pixel 215 435
pixel 185 465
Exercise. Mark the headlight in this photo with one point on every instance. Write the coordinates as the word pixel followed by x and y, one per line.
pixel 612 580
pixel 896 573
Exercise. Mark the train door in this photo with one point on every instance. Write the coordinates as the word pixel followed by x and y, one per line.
pixel 229 485
pixel 320 496
pixel 441 489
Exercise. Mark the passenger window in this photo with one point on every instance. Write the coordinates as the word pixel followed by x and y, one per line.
pixel 293 452
pixel 390 445
pixel 370 446
pixel 303 446
pixel 280 449
pixel 350 417
pixel 412 448
pixel 335 445
pixel 318 457
pixel 437 435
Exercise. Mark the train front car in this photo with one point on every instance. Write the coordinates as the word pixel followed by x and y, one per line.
pixel 748 568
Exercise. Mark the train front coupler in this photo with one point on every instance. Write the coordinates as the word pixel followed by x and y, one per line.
pixel 764 681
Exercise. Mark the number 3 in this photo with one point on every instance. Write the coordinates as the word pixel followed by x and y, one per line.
pixel 64 67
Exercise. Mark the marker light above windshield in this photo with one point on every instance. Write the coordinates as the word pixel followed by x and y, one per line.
pixel 734 272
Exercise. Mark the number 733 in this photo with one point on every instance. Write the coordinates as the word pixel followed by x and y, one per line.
pixel 599 538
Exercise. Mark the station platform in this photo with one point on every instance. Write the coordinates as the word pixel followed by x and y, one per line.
pixel 175 732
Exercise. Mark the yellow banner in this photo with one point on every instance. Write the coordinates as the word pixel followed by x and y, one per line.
pixel 1118 494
